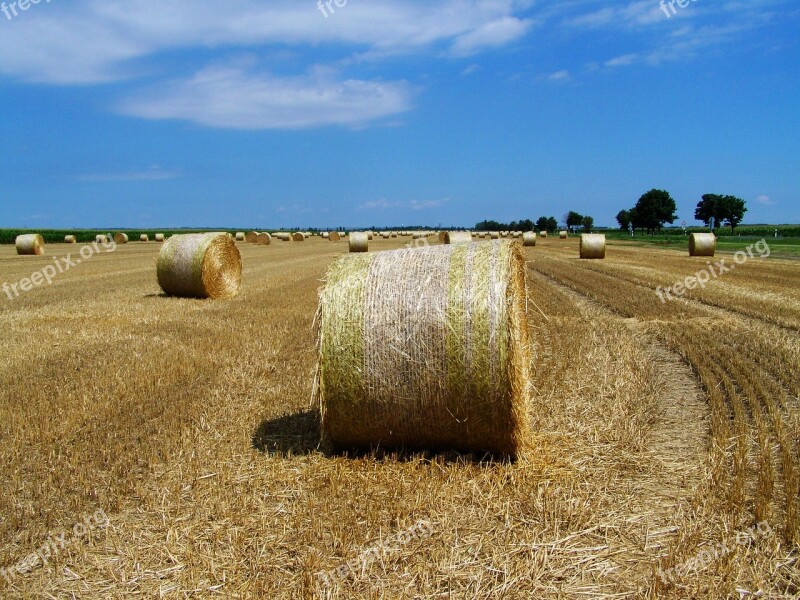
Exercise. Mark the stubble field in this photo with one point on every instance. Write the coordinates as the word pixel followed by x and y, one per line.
pixel 665 441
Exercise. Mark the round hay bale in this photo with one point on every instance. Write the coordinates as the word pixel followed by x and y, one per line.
pixel 299 237
pixel 251 237
pixel 325 235
pixel 159 237
pixel 394 234
pixel 31 244
pixel 263 239
pixel 593 245
pixel 240 236
pixel 494 235
pixel 120 238
pixel 426 348
pixel 529 238
pixel 517 234
pixel 458 237
pixel 542 234
pixel 334 236
pixel 385 235
pixel 201 265
pixel 370 236
pixel 101 239
pixel 702 244
pixel 359 241
pixel 70 239
pixel 442 236
pixel 144 238
pixel 562 235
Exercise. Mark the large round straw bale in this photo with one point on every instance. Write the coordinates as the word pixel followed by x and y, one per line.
pixel 101 239
pixel 31 244
pixel 201 265
pixel 426 348
pixel 542 234
pixel 529 238
pixel 70 239
pixel 593 245
pixel 562 235
pixel 334 236
pixel 159 237
pixel 442 236
pixel 263 239
pixel 251 237
pixel 359 241
pixel 120 238
pixel 702 244
pixel 457 237
pixel 299 237
pixel 240 236
pixel 144 238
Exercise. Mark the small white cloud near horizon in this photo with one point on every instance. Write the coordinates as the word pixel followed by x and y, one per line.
pixel 562 75
pixel 154 173
pixel 384 204
pixel 765 200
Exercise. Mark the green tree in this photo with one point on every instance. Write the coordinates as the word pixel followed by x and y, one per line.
pixel 552 224
pixel 588 223
pixel 654 209
pixel 541 224
pixel 624 219
pixel 573 219
pixel 723 209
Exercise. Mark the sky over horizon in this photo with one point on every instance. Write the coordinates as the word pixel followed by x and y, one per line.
pixel 377 113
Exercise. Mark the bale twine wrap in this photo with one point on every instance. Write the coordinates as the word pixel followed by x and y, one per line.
pixel 70 239
pixel 101 239
pixel 702 244
pixel 263 239
pixel 120 238
pixel 562 235
pixel 426 348
pixel 529 238
pixel 31 244
pixel 359 241
pixel 543 234
pixel 593 245
pixel 457 237
pixel 201 265
pixel 144 238
pixel 299 237
pixel 240 236
pixel 334 236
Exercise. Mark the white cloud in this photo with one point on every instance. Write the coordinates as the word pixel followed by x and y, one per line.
pixel 384 204
pixel 490 35
pixel 559 75
pixel 473 68
pixel 232 97
pixel 765 200
pixel 622 61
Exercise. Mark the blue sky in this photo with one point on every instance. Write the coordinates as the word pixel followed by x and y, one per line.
pixel 271 114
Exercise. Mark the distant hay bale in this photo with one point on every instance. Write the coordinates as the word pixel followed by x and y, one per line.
pixel 702 244
pixel 542 234
pixel 144 238
pixel 359 241
pixel 101 239
pixel 385 235
pixel 593 245
pixel 240 236
pixel 159 237
pixel 529 238
pixel 325 235
pixel 562 235
pixel 263 239
pixel 457 237
pixel 334 236
pixel 517 234
pixel 370 235
pixel 494 235
pixel 426 348
pixel 31 244
pixel 394 234
pixel 299 237
pixel 442 236
pixel 120 238
pixel 251 237
pixel 201 265
pixel 70 239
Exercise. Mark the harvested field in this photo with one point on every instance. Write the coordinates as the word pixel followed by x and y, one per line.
pixel 661 429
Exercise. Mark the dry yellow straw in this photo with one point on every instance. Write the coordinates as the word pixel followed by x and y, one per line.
pixel 529 238
pixel 31 244
pixel 359 242
pixel 203 265
pixel 426 348
pixel 120 238
pixel 334 236
pixel 263 239
pixel 240 236
pixel 144 238
pixel 299 237
pixel 70 239
pixel 593 245
pixel 251 237
pixel 702 244
pixel 457 237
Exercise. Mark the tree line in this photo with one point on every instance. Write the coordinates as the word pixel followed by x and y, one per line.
pixel 656 208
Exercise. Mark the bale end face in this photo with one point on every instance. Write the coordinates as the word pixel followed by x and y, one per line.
pixel 263 239
pixel 359 242
pixel 702 244
pixel 120 238
pixel 206 265
pixel 593 246
pixel 426 348
pixel 31 244
pixel 334 236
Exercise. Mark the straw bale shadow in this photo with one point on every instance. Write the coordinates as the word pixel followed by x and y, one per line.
pixel 289 435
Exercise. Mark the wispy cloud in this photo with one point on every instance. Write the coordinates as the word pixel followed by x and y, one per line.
pixel 562 75
pixel 152 174
pixel 765 200
pixel 384 204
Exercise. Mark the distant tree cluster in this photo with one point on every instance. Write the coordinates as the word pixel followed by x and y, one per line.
pixel 546 224
pixel 727 210
pixel 656 208
pixel 524 225
pixel 574 220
